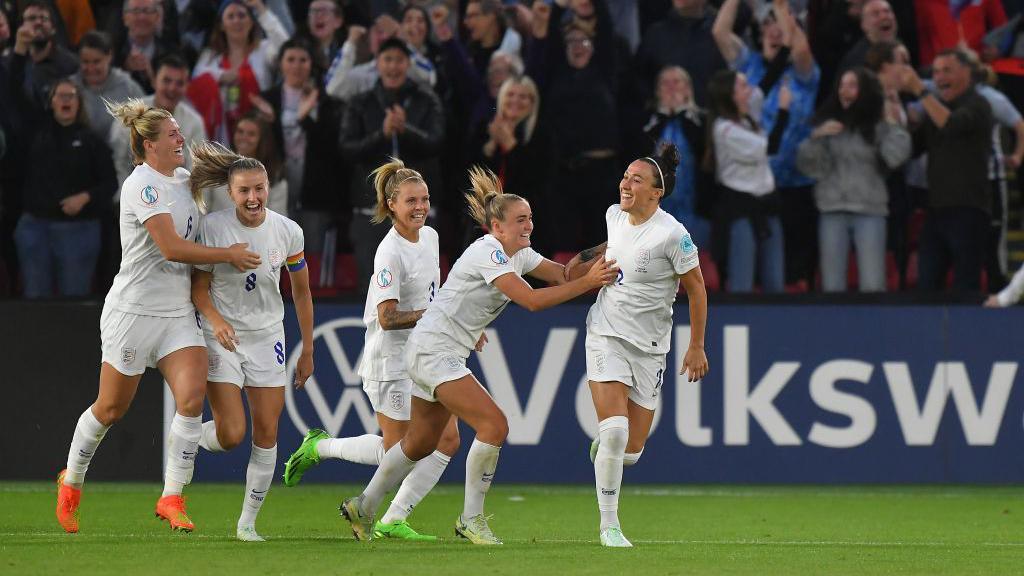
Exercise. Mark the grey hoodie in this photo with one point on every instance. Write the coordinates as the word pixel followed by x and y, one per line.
pixel 119 86
pixel 851 171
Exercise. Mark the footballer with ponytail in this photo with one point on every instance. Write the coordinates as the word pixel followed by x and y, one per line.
pixel 406 277
pixel 148 319
pixel 487 276
pixel 629 327
pixel 243 318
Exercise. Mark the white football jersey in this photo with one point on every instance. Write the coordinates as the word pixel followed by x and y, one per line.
pixel 409 273
pixel 147 283
pixel 251 300
pixel 650 257
pixel 468 302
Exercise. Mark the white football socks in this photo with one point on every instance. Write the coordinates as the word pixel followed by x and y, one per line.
pixel 480 465
pixel 614 433
pixel 181 452
pixel 209 441
pixel 365 449
pixel 258 476
pixel 394 467
pixel 88 434
pixel 424 476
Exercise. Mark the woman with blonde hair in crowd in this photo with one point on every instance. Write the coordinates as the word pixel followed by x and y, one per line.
pixel 405 280
pixel 487 276
pixel 148 319
pixel 244 314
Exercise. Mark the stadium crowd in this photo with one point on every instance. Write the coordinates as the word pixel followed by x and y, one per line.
pixel 812 133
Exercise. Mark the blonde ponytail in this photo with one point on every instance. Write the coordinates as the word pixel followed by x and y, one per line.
pixel 143 123
pixel 486 199
pixel 212 166
pixel 387 179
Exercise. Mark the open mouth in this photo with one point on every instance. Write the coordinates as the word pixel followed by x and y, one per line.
pixel 623 196
pixel 253 208
pixel 418 218
pixel 180 151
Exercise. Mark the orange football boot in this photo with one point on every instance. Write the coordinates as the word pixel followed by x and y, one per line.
pixel 68 499
pixel 172 509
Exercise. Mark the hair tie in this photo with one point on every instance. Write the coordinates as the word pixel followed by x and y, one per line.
pixel 660 174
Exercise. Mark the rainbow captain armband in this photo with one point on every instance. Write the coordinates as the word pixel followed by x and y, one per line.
pixel 296 262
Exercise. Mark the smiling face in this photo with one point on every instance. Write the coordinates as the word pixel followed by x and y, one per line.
pixel 741 94
pixel 324 20
pixel 94 66
pixel 296 67
pixel 849 89
pixel 236 22
pixel 166 152
pixel 578 49
pixel 170 83
pixel 515 229
pixel 518 103
pixel 249 190
pixel 952 78
pixel 410 206
pixel 65 103
pixel 392 66
pixel 674 89
pixel 637 194
pixel 878 21
pixel 414 27
pixel 142 18
pixel 247 137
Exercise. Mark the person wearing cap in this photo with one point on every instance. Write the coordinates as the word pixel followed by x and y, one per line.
pixel 397 118
pixel 237 63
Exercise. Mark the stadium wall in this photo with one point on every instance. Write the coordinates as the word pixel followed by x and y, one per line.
pixel 796 394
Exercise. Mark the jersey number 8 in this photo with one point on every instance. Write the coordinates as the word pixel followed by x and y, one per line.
pixel 250 282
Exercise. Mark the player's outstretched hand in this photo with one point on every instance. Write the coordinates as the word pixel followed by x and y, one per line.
pixel 243 259
pixel 480 343
pixel 602 273
pixel 225 334
pixel 303 368
pixel 695 364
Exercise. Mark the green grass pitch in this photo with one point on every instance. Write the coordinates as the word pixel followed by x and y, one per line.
pixel 547 530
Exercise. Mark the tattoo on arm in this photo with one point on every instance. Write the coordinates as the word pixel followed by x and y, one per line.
pixel 394 319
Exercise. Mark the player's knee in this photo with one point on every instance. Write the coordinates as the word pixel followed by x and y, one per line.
pixel 108 415
pixel 416 448
pixel 450 441
pixel 230 434
pixel 614 438
pixel 192 406
pixel 265 436
pixel 494 430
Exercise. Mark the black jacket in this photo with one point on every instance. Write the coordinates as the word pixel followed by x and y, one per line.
pixel 323 182
pixel 63 161
pixel 958 154
pixel 365 147
pixel 526 169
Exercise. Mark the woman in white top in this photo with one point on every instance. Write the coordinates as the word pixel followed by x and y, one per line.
pixel 405 280
pixel 244 315
pixel 148 319
pixel 483 281
pixel 751 235
pixel 238 63
pixel 629 328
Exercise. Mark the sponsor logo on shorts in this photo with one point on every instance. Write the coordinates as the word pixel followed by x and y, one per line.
pixel 276 258
pixel 599 364
pixel 149 196
pixel 384 278
pixel 499 257
pixel 214 362
pixel 128 355
pixel 397 400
